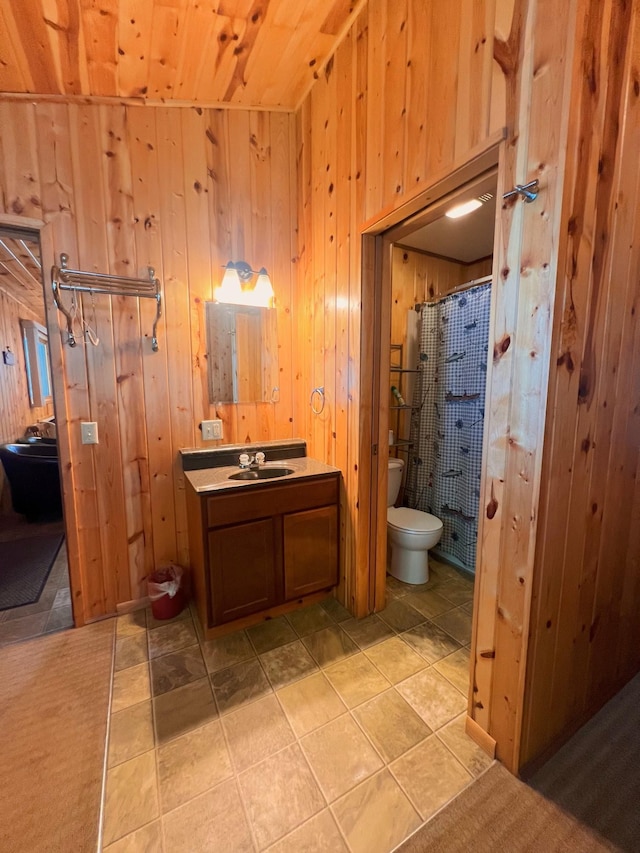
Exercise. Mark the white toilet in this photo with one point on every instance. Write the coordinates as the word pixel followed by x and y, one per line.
pixel 410 533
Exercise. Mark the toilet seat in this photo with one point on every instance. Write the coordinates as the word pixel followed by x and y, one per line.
pixel 412 520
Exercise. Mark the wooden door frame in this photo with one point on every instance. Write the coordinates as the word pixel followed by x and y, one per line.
pixel 56 354
pixel 378 237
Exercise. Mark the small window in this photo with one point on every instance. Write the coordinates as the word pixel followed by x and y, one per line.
pixel 36 356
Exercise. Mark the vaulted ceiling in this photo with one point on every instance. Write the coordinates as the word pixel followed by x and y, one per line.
pixel 21 274
pixel 261 53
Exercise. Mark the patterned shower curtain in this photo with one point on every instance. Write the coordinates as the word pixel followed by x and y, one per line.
pixel 443 474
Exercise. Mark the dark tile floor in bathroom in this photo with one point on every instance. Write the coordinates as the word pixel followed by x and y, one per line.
pixel 310 731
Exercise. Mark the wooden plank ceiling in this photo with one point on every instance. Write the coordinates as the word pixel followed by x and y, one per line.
pixel 20 273
pixel 258 53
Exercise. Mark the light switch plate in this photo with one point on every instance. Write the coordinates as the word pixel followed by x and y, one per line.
pixel 89 432
pixel 211 430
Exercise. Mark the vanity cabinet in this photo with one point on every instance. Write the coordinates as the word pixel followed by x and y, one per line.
pixel 259 547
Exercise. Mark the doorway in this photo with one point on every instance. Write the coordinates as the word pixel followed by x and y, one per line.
pixel 397 240
pixel 34 583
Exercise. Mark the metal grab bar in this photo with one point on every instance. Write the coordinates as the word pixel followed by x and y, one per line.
pixel 63 278
pixel 319 390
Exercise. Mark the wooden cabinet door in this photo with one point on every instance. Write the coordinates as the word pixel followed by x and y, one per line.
pixel 245 562
pixel 310 551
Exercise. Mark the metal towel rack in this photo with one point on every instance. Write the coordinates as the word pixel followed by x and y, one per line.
pixel 63 278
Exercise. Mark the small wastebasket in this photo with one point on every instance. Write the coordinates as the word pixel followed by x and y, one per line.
pixel 166 593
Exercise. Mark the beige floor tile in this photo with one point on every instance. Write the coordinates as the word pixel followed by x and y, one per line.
pixel 458 591
pixel 457 623
pixel 391 724
pixel 309 619
pixel 131 798
pixel 287 664
pixel 280 793
pixel 398 588
pixel 318 835
pixel 227 651
pixel 336 610
pixel 310 703
pixel 183 709
pixel 256 731
pixel 59 618
pixel 466 750
pixel 340 756
pixel 429 602
pixel 170 638
pixel 130 686
pixel 191 764
pixel 63 596
pixel 239 685
pixel 430 641
pixel 130 624
pixel 131 651
pixel 368 631
pixel 395 659
pixel 356 680
pixel 401 616
pixel 455 668
pixel 376 816
pixel 130 733
pixel 430 775
pixel 148 839
pixel 271 634
pixel 330 645
pixel 433 698
pixel 468 607
pixel 176 668
pixel 152 622
pixel 214 821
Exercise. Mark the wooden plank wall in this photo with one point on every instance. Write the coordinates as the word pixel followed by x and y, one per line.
pixel 15 412
pixel 182 190
pixel 427 84
pixel 585 626
pixel 406 94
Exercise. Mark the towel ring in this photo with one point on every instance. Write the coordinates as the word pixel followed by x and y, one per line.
pixel 320 391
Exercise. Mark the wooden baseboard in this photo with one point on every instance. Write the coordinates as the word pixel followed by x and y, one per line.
pixel 256 618
pixel 131 606
pixel 479 736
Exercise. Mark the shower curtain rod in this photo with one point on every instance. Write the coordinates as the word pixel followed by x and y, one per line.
pixel 459 288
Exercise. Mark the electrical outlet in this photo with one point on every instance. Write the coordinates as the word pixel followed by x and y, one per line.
pixel 89 432
pixel 211 430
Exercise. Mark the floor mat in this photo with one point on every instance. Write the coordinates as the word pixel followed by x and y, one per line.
pixel 24 568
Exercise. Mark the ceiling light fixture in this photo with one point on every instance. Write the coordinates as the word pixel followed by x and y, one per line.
pixel 236 289
pixel 464 208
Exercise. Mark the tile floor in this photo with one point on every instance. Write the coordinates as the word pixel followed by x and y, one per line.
pixel 52 611
pixel 311 732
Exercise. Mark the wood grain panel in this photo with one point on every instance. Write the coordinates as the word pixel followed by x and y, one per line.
pixel 127 188
pixel 585 622
pixel 246 53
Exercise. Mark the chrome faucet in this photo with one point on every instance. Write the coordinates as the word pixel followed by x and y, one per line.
pixel 248 462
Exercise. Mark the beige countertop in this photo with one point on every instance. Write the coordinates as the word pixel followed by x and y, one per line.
pixel 217 479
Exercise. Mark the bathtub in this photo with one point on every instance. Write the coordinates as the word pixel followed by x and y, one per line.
pixel 34 478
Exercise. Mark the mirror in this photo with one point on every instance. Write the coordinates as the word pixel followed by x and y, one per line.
pixel 242 353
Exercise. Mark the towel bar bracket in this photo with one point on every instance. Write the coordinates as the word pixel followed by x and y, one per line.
pixel 63 278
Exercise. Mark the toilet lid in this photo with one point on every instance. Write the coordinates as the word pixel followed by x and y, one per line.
pixel 403 518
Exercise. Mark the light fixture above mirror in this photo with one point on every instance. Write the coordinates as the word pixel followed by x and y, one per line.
pixel 237 287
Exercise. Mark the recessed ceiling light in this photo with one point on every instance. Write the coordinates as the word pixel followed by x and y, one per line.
pixel 464 208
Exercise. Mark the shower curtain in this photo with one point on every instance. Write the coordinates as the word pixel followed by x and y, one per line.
pixel 443 474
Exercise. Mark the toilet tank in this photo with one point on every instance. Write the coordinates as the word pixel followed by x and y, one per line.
pixel 395 480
